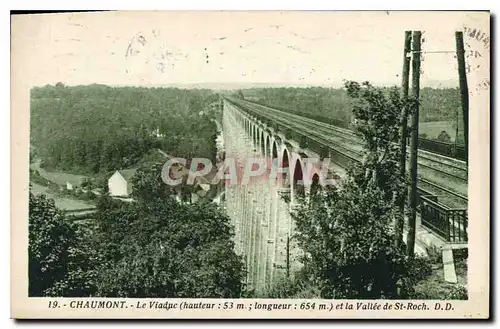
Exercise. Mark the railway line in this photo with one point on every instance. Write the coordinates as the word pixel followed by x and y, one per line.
pixel 354 138
pixel 438 175
pixel 448 151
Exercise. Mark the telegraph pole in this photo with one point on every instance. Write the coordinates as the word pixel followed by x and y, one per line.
pixel 287 256
pixel 404 135
pixel 415 88
pixel 464 90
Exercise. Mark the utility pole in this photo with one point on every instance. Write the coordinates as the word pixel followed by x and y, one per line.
pixel 464 90
pixel 404 134
pixel 287 256
pixel 415 88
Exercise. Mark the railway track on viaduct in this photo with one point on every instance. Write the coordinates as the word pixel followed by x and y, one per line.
pixel 438 175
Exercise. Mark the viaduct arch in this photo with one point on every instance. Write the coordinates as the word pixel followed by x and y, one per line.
pixel 260 210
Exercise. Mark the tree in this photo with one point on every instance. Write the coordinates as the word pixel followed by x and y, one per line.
pixel 346 232
pixel 240 94
pixel 158 247
pixel 61 260
pixel 378 118
pixel 82 266
pixel 444 137
pixel 50 240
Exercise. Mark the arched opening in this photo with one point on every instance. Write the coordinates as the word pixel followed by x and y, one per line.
pixel 285 165
pixel 274 157
pixel 257 139
pixel 314 199
pixel 298 183
pixel 274 151
pixel 315 187
pixel 254 136
pixel 268 147
pixel 262 144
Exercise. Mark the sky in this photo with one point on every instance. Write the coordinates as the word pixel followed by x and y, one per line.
pixel 189 48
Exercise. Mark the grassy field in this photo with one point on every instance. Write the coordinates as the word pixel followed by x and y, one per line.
pixel 63 203
pixel 55 180
pixel 58 177
pixel 433 129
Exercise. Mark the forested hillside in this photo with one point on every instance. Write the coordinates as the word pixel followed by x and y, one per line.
pixel 436 104
pixel 97 128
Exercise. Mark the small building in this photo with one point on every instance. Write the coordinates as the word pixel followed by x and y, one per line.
pixel 156 133
pixel 69 186
pixel 119 184
pixel 68 183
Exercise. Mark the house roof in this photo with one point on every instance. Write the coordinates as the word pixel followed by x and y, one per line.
pixel 127 173
pixel 152 157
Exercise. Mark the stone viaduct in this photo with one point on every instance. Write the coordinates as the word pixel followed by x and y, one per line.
pixel 260 210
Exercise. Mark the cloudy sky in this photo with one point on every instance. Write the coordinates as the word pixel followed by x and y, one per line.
pixel 164 48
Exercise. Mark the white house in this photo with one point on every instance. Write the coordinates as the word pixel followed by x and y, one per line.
pixel 69 185
pixel 156 133
pixel 119 184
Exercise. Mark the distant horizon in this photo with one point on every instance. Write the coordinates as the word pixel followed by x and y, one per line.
pixel 227 86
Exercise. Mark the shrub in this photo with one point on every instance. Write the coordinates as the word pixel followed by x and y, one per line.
pixel 458 292
pixel 444 137
pixel 282 289
pixel 297 287
pixel 435 255
pixel 419 268
pixel 460 257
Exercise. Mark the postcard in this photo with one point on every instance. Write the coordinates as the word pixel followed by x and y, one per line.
pixel 250 164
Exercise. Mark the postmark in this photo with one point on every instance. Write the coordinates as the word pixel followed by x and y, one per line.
pixel 477 53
